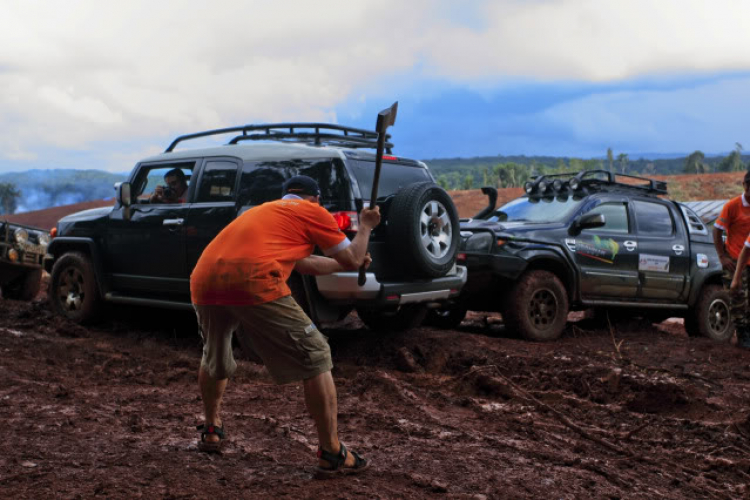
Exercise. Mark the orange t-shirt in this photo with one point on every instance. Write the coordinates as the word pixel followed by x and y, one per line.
pixel 735 221
pixel 251 259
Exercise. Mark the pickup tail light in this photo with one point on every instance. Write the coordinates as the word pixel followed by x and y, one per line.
pixel 461 257
pixel 347 221
pixel 52 232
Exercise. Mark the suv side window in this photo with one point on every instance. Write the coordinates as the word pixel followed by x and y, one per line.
pixel 150 176
pixel 262 181
pixel 654 219
pixel 217 181
pixel 615 215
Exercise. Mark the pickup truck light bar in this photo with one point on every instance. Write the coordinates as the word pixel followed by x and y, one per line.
pixel 547 184
pixel 311 133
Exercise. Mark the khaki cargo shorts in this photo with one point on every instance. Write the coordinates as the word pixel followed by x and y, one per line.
pixel 290 345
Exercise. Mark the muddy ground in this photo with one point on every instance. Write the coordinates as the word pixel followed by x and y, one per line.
pixel 639 411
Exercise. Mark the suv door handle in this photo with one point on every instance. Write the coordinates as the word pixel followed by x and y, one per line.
pixel 630 245
pixel 173 222
pixel 678 249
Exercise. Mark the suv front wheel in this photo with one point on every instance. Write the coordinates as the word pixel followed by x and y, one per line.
pixel 537 307
pixel 73 292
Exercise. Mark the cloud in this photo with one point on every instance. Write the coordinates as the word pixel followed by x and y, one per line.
pixel 84 75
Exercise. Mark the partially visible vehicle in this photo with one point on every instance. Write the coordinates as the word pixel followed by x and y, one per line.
pixel 591 239
pixel 23 251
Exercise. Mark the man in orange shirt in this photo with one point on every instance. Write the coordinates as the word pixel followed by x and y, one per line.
pixel 240 280
pixel 734 222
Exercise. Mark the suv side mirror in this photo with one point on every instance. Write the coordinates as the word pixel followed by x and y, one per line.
pixel 588 221
pixel 123 194
pixel 125 199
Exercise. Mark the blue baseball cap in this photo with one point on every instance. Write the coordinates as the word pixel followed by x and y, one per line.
pixel 302 184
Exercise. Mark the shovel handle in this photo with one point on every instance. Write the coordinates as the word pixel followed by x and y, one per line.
pixel 362 278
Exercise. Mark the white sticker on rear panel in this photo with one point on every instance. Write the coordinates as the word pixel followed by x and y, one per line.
pixel 657 263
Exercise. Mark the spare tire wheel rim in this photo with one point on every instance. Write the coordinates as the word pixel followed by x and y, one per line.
pixel 718 316
pixel 435 229
pixel 543 308
pixel 70 289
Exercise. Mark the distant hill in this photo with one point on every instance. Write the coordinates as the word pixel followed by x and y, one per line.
pixel 42 189
pixel 665 165
pixel 51 188
pixel 719 186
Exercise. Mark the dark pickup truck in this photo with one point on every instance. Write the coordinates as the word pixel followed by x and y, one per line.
pixel 141 252
pixel 590 240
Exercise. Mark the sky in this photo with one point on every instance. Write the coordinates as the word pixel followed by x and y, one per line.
pixel 99 85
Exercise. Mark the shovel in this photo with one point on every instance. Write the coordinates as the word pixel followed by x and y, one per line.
pixel 386 118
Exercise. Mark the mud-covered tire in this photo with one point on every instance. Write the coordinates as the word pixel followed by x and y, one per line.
pixel 446 318
pixel 710 316
pixel 405 318
pixel 423 230
pixel 73 292
pixel 26 287
pixel 538 307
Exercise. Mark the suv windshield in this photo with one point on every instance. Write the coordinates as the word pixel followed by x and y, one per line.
pixel 393 176
pixel 525 209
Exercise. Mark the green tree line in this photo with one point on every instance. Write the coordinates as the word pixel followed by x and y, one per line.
pixel 502 172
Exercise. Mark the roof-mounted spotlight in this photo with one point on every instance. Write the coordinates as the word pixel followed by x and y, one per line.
pixel 528 187
pixel 574 183
pixel 543 186
pixel 557 185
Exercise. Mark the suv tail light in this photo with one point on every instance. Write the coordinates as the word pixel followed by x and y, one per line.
pixel 347 221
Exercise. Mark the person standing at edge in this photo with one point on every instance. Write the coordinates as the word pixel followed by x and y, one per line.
pixel 240 279
pixel 734 221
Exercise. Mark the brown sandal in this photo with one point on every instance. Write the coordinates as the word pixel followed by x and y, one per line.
pixel 337 462
pixel 210 446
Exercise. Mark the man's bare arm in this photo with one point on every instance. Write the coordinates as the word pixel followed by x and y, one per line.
pixel 316 265
pixel 355 254
pixel 741 263
pixel 724 258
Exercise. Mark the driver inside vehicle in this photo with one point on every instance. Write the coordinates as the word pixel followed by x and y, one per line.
pixel 175 189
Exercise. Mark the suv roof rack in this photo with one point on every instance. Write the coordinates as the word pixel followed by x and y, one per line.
pixel 599 177
pixel 317 134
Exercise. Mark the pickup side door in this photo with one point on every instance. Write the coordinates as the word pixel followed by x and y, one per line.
pixel 607 256
pixel 664 254
pixel 214 206
pixel 144 250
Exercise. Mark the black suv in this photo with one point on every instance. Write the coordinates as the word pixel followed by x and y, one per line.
pixel 591 239
pixel 23 251
pixel 141 252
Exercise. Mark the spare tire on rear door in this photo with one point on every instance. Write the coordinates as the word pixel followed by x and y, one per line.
pixel 423 230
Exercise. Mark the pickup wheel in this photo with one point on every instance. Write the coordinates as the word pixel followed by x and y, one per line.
pixel 73 291
pixel 710 316
pixel 538 306
pixel 447 318
pixel 405 318
pixel 423 230
pixel 25 287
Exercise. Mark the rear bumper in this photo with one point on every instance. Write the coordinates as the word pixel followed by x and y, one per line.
pixel 343 288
